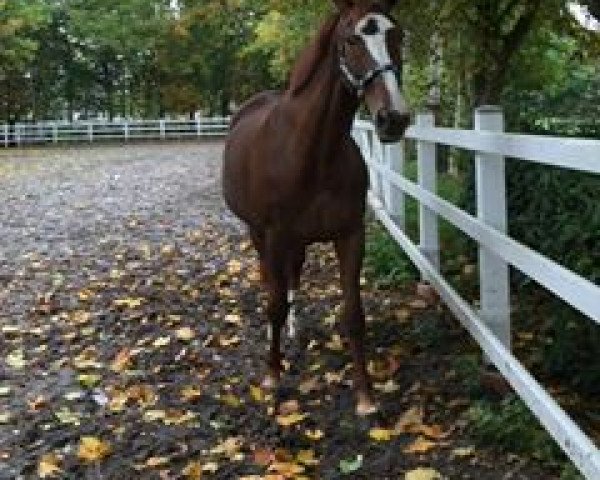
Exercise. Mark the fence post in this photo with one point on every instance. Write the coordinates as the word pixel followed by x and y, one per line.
pixel 163 130
pixel 54 133
pixel 394 197
pixel 90 132
pixel 198 127
pixel 126 130
pixel 18 134
pixel 378 159
pixel 6 136
pixel 428 220
pixel 491 209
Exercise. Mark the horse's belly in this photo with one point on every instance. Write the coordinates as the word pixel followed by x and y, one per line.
pixel 328 217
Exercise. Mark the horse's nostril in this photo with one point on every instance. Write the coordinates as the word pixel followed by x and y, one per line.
pixel 383 119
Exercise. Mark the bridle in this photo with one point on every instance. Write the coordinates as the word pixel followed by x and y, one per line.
pixel 360 83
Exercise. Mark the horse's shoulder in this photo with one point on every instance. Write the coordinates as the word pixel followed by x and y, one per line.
pixel 256 102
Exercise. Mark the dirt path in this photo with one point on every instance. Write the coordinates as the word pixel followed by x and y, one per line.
pixel 132 340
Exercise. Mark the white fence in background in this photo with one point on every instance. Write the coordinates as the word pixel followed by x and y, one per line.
pixel 94 131
pixel 490 324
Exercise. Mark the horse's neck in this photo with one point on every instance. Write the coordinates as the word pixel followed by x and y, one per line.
pixel 327 108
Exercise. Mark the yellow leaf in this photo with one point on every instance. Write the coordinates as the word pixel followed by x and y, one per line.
pixel 229 342
pixel 192 471
pixel 410 420
pixel 292 419
pixel 314 435
pixel 49 466
pixel 335 343
pixel 190 394
pixel 210 467
pixel 257 394
pixel 233 319
pixel 121 361
pixel 129 302
pixel 287 469
pixel 381 434
pixel 231 400
pixel 463 452
pixel 307 457
pixel 186 334
pixel 289 407
pixel 423 474
pixel 92 449
pixel 154 462
pixel 89 380
pixel 230 447
pixel 154 415
pixel 234 267
pixel 162 342
pixel 420 445
pixel 16 359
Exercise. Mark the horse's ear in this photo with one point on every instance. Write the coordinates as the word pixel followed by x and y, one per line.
pixel 342 4
pixel 306 66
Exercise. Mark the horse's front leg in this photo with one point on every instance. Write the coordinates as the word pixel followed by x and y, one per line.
pixel 278 306
pixel 350 251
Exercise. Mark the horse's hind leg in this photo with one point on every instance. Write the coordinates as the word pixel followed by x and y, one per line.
pixel 295 263
pixel 350 254
pixel 277 308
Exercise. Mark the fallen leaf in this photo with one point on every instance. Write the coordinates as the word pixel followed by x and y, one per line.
pixel 89 380
pixel 185 334
pixel 307 457
pixel 190 394
pixel 264 457
pixel 411 419
pixel 351 465
pixel 49 466
pixel 287 469
pixel 229 447
pixel 93 450
pixel 420 445
pixel 257 394
pixel 289 407
pixel 16 359
pixel 423 474
pixel 388 387
pixel 5 391
pixel 381 434
pixel 292 419
pixel 129 302
pixel 122 361
pixel 314 435
pixel 154 462
pixel 229 342
pixel 309 385
pixel 233 319
pixel 463 452
pixel 192 471
pixel 335 344
pixel 162 342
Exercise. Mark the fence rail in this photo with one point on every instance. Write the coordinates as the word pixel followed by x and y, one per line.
pixel 490 325
pixel 136 130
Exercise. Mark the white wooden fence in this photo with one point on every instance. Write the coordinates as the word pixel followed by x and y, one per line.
pixel 490 324
pixel 95 131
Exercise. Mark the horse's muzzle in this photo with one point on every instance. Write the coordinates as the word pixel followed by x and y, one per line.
pixel 391 125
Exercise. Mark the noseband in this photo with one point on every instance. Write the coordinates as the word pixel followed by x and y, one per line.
pixel 360 83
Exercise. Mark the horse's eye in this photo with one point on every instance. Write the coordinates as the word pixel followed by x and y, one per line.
pixel 353 40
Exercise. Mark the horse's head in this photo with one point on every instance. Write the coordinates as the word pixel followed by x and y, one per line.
pixel 370 59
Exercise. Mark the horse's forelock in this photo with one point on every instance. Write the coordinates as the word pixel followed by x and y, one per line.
pixel 311 57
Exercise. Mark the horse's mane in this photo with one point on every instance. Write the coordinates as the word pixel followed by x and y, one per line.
pixel 306 66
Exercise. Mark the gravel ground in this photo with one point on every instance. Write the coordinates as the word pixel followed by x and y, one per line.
pixel 130 313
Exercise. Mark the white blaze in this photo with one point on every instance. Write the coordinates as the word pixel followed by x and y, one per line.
pixel 377 47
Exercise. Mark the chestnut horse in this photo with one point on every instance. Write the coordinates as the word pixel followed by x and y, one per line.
pixel 294 175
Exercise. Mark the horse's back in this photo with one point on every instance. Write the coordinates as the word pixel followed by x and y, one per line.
pixel 259 101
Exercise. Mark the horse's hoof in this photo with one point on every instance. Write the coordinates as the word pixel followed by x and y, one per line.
pixel 269 383
pixel 366 407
